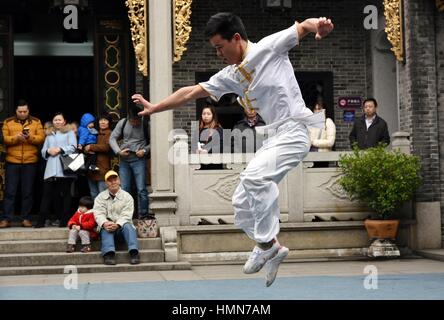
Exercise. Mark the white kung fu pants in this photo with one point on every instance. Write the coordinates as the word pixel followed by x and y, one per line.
pixel 255 200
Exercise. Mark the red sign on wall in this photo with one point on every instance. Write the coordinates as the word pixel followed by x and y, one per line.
pixel 349 102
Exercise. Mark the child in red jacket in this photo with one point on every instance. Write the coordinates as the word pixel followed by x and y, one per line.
pixel 82 225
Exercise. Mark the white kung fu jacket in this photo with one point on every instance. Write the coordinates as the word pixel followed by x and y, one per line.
pixel 265 81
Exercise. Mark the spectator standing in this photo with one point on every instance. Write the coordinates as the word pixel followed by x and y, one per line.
pixel 23 135
pixel 57 185
pixel 133 152
pixel 369 130
pixel 96 179
pixel 248 125
pixel 322 140
pixel 210 130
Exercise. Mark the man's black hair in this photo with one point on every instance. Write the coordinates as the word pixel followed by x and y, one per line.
pixel 21 103
pixel 226 25
pixel 370 100
pixel 87 202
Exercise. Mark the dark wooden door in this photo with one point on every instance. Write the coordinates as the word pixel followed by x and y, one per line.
pixel 6 66
pixel 52 84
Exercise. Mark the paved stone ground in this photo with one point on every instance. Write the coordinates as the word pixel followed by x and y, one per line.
pixel 411 279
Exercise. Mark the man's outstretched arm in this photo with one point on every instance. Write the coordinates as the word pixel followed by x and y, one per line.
pixel 177 99
pixel 320 26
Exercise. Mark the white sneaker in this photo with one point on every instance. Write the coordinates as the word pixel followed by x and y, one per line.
pixel 272 265
pixel 259 257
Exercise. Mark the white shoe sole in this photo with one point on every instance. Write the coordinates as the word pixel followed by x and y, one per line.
pixel 272 265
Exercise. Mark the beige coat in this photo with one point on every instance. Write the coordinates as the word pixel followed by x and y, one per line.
pixel 120 210
pixel 324 139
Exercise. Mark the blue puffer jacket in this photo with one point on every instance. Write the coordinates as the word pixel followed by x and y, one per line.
pixel 87 135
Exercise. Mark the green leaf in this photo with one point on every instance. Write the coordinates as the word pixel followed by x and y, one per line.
pixel 381 178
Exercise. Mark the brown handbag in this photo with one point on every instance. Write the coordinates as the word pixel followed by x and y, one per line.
pixel 147 228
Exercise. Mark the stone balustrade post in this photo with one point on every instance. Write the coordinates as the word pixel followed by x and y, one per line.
pixel 401 141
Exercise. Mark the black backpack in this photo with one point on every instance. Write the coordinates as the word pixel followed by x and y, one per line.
pixel 145 128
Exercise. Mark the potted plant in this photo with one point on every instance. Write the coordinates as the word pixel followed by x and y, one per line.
pixel 383 179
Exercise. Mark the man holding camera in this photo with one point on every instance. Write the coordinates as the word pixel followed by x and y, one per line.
pixel 23 135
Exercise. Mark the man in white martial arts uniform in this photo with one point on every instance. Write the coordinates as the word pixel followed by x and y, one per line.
pixel 262 76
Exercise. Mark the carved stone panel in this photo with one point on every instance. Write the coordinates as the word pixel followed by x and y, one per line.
pixel 322 192
pixel 212 191
pixel 225 186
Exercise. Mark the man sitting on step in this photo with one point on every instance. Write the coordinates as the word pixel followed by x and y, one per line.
pixel 113 211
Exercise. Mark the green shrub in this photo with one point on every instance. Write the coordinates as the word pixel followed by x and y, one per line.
pixel 381 178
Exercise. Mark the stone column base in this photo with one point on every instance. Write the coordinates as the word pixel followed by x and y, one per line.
pixel 428 228
pixel 169 243
pixel 163 205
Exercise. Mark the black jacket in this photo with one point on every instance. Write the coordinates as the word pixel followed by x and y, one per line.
pixel 377 132
pixel 258 139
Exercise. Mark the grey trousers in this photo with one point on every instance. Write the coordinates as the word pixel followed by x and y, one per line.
pixel 74 234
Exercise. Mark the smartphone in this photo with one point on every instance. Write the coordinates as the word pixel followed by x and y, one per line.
pixel 25 131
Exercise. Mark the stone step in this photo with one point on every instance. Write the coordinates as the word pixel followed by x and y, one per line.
pixel 20 233
pixel 434 254
pixel 293 256
pixel 95 268
pixel 50 233
pixel 320 255
pixel 317 241
pixel 75 258
pixel 59 245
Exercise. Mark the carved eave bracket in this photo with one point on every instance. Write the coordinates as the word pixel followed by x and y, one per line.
pixel 394 29
pixel 137 14
pixel 182 27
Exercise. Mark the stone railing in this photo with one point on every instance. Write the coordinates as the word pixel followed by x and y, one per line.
pixel 307 193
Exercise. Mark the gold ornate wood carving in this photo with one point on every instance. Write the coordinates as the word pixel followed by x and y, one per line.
pixel 394 29
pixel 182 26
pixel 440 5
pixel 137 14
